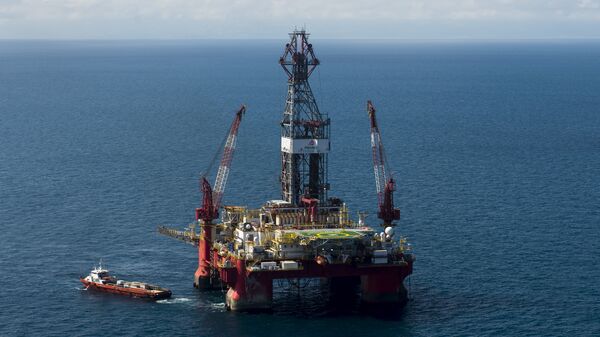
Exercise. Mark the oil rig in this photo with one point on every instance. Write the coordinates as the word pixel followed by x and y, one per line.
pixel 306 233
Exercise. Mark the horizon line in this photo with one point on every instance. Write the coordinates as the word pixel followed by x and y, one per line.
pixel 554 38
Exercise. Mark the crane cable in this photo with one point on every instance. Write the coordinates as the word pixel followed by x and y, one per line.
pixel 215 156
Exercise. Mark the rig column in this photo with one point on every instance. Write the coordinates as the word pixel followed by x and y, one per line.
pixel 203 279
pixel 251 292
pixel 383 288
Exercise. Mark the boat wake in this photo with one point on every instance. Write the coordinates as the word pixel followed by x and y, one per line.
pixel 218 305
pixel 174 300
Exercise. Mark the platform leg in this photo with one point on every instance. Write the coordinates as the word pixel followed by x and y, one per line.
pixel 203 278
pixel 250 292
pixel 383 288
pixel 205 282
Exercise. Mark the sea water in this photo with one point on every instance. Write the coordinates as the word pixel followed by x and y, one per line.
pixel 495 147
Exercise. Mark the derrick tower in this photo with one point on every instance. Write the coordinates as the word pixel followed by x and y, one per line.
pixel 304 129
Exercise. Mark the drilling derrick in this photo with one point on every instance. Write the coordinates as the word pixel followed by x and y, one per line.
pixel 304 129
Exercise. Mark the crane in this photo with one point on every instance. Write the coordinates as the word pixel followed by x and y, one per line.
pixel 384 182
pixel 211 198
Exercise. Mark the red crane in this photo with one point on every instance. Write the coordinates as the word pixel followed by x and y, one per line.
pixel 211 202
pixel 384 181
pixel 211 198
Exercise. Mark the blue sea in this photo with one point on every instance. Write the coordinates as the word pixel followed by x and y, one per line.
pixel 495 147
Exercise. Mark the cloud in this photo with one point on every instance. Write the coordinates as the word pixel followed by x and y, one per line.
pixel 589 4
pixel 215 10
pixel 235 16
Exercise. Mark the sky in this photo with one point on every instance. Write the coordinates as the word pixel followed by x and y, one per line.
pixel 395 19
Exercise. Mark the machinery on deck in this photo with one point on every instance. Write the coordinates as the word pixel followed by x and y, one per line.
pixel 306 233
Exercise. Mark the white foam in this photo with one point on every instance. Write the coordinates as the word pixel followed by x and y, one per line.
pixel 174 300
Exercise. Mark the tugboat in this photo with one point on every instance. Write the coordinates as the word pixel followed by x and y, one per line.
pixel 99 279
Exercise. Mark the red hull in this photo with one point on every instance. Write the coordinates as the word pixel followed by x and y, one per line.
pixel 133 292
pixel 250 290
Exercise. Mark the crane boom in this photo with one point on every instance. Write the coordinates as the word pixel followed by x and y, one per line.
pixel 384 182
pixel 223 172
pixel 211 198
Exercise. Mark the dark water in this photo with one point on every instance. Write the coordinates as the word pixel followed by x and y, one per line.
pixel 496 148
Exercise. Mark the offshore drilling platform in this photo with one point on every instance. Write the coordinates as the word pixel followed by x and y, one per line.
pixel 306 233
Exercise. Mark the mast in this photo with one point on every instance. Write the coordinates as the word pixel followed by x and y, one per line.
pixel 304 129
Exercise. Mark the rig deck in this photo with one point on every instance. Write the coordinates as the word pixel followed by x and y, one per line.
pixel 249 249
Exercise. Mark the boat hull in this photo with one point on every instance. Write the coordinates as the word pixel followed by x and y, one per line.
pixel 132 292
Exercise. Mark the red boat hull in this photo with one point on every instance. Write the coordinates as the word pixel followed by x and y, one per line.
pixel 133 292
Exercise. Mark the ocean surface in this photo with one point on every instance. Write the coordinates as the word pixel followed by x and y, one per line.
pixel 495 145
